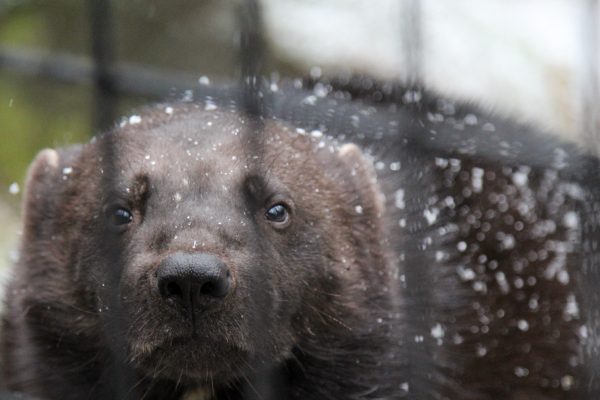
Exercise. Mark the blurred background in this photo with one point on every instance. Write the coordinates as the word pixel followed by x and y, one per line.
pixel 534 60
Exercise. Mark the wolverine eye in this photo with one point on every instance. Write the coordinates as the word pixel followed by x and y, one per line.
pixel 278 213
pixel 119 216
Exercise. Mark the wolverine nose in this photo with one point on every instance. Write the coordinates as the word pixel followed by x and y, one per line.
pixel 193 280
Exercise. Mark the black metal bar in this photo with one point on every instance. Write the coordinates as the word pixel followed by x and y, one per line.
pixel 105 95
pixel 412 42
pixel 251 56
pixel 104 113
pixel 127 78
pixel 591 87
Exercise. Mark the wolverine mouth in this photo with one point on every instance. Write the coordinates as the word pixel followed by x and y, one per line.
pixel 191 357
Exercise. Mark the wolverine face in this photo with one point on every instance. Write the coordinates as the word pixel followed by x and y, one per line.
pixel 219 255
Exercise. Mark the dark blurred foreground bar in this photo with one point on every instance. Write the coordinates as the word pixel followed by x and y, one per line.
pixel 67 68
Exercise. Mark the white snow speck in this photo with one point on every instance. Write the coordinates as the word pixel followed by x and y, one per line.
pixel 560 159
pixel 315 72
pixel 188 96
pixel 488 127
pixel 508 242
pixel 67 171
pixel 477 179
pixel 399 199
pixel 520 178
pixel 523 325
pixel 501 279
pixel 481 351
pixel 466 274
pixel 135 119
pixel 566 382
pixel 14 188
pixel 571 308
pixel 169 110
pixel 395 166
pixel 571 220
pixel 209 106
pixel 203 80
pixel 404 387
pixel 431 215
pixel 310 100
pixel 440 256
pixel 358 209
pixel 437 331
pixel 441 162
pixel 470 119
pixel 316 133
pixel 563 277
pixel 521 372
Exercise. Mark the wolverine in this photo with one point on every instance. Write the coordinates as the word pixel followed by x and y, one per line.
pixel 181 254
pixel 427 251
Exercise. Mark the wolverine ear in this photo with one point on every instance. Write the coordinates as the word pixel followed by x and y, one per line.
pixel 42 171
pixel 364 176
pixel 38 199
pixel 43 166
pixel 43 186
